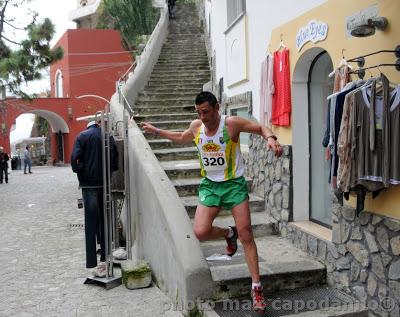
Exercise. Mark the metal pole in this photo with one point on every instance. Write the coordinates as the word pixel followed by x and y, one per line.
pixel 109 204
pixel 103 155
pixel 127 190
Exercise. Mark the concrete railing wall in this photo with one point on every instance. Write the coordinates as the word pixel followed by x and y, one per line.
pixel 162 233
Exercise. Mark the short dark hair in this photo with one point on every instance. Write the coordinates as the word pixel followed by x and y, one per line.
pixel 206 96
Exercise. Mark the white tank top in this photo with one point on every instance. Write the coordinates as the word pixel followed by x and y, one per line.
pixel 220 157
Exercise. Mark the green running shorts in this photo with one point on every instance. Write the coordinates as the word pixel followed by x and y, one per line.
pixel 225 194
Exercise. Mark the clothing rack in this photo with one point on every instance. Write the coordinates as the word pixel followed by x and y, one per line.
pixel 361 71
pixel 361 59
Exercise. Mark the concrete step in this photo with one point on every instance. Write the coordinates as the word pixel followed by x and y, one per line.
pixel 257 205
pixel 166 103
pixel 181 168
pixel 178 60
pixel 173 154
pixel 184 47
pixel 169 95
pixel 178 88
pixel 183 60
pixel 158 144
pixel 189 79
pixel 173 52
pixel 165 116
pixel 171 100
pixel 282 267
pixel 158 109
pixel 169 55
pixel 181 74
pixel 180 40
pixel 190 186
pixel 182 67
pixel 170 125
pixel 181 35
pixel 192 82
pixel 314 301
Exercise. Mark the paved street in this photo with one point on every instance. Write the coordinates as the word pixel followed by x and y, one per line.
pixel 42 256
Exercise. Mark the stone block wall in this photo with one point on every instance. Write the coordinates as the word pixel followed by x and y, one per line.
pixel 271 178
pixel 363 258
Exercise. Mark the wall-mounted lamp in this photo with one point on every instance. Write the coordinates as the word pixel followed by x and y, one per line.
pixel 70 113
pixel 368 27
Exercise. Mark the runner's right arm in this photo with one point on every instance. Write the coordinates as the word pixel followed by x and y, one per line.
pixel 184 137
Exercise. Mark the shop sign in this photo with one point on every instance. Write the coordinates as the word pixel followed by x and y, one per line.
pixel 314 31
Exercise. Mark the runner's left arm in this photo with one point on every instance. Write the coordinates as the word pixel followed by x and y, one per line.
pixel 244 125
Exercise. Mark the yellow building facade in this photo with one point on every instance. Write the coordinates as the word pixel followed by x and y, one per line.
pixel 337 44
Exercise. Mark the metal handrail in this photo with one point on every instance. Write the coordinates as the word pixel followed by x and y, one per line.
pixel 126 100
pixel 123 77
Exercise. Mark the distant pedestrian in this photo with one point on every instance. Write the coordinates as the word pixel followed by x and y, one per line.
pixel 3 165
pixel 27 160
pixel 171 9
pixel 87 162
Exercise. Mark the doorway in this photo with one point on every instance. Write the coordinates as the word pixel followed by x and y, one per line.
pixel 310 86
pixel 320 86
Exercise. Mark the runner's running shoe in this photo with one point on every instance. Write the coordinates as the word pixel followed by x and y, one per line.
pixel 232 246
pixel 258 299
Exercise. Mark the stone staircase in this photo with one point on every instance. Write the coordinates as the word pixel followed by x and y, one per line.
pixel 168 103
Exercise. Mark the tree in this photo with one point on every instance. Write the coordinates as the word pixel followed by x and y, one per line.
pixel 132 18
pixel 21 62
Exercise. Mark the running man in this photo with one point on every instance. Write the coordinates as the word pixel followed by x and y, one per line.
pixel 217 140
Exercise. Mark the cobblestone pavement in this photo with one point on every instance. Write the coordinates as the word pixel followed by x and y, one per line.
pixel 42 257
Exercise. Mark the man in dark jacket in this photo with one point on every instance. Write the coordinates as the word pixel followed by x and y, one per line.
pixel 3 165
pixel 87 162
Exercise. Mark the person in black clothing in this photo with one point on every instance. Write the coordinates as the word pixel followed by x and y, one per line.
pixel 171 9
pixel 3 165
pixel 87 162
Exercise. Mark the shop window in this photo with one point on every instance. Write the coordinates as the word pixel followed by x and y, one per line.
pixel 242 112
pixel 235 8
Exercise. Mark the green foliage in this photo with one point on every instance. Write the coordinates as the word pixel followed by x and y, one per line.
pixel 132 18
pixel 42 126
pixel 31 56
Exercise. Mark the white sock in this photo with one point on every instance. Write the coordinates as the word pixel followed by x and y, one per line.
pixel 253 285
pixel 230 234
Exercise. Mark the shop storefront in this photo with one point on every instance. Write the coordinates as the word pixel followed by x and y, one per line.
pixel 358 239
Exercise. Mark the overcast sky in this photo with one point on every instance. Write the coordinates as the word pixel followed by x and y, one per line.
pixel 58 12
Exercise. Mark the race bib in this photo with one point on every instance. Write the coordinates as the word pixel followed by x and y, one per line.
pixel 213 157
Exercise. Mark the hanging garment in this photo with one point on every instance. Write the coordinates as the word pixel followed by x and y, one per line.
pixel 344 140
pixel 282 98
pixel 266 90
pixel 335 113
pixel 344 145
pixel 342 77
pixel 371 138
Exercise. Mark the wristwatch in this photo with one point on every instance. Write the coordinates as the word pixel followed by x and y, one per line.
pixel 272 136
